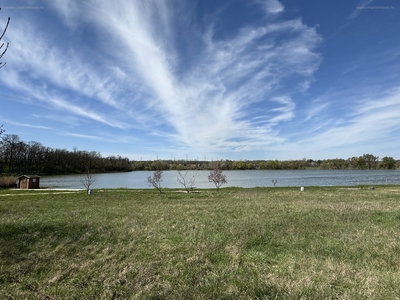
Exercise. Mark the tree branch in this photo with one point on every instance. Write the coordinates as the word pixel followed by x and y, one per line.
pixel 1 37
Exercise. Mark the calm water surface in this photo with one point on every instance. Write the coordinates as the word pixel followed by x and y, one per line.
pixel 250 178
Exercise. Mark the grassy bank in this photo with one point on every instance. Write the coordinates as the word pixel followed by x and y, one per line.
pixel 262 243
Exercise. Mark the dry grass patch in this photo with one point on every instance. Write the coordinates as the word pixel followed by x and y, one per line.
pixel 8 181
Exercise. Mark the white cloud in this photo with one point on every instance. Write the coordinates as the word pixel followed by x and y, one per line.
pixel 273 6
pixel 60 67
pixel 370 121
pixel 52 76
pixel 286 110
pixel 207 103
pixel 69 11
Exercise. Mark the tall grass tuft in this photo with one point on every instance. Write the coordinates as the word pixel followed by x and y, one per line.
pixel 8 181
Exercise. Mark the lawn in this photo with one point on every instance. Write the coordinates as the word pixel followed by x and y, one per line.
pixel 260 243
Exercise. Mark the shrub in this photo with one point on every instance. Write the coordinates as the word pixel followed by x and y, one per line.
pixel 8 181
pixel 156 180
pixel 217 177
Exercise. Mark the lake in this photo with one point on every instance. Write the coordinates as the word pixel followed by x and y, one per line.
pixel 247 179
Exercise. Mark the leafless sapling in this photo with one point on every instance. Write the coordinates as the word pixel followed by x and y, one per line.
pixel 87 180
pixel 155 180
pixel 186 180
pixel 217 177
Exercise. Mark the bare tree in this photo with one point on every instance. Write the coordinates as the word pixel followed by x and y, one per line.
pixel 217 177
pixel 87 180
pixel 155 180
pixel 186 180
pixel 2 44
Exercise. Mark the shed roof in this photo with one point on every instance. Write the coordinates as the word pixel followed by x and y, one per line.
pixel 29 176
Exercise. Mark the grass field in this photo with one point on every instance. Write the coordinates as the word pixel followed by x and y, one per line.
pixel 261 243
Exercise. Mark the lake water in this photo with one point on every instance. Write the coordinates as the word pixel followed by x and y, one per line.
pixel 250 178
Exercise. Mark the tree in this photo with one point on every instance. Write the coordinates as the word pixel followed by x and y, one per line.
pixel 358 162
pixel 387 163
pixel 335 164
pixel 371 161
pixel 2 44
pixel 10 152
pixel 217 177
pixel 87 180
pixel 156 180
pixel 186 180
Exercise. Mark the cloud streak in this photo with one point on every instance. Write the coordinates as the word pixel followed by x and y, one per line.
pixel 177 79
pixel 361 5
pixel 372 120
pixel 206 104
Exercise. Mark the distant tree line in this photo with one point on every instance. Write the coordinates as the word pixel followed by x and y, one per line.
pixel 364 162
pixel 19 157
pixel 221 164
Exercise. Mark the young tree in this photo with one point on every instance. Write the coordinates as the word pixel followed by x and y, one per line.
pixel 156 180
pixel 388 162
pixel 2 44
pixel 87 180
pixel 217 177
pixel 186 180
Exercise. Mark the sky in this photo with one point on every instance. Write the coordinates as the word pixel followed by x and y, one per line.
pixel 204 79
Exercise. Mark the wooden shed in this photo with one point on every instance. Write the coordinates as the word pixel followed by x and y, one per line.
pixel 29 181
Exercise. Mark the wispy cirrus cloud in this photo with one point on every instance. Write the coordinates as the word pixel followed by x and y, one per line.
pixel 11 122
pixel 207 103
pixel 227 95
pixel 360 7
pixel 224 77
pixel 53 74
pixel 62 68
pixel 370 120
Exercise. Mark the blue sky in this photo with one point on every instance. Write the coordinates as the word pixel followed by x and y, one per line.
pixel 214 79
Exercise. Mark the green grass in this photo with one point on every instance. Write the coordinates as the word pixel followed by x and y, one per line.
pixel 261 243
